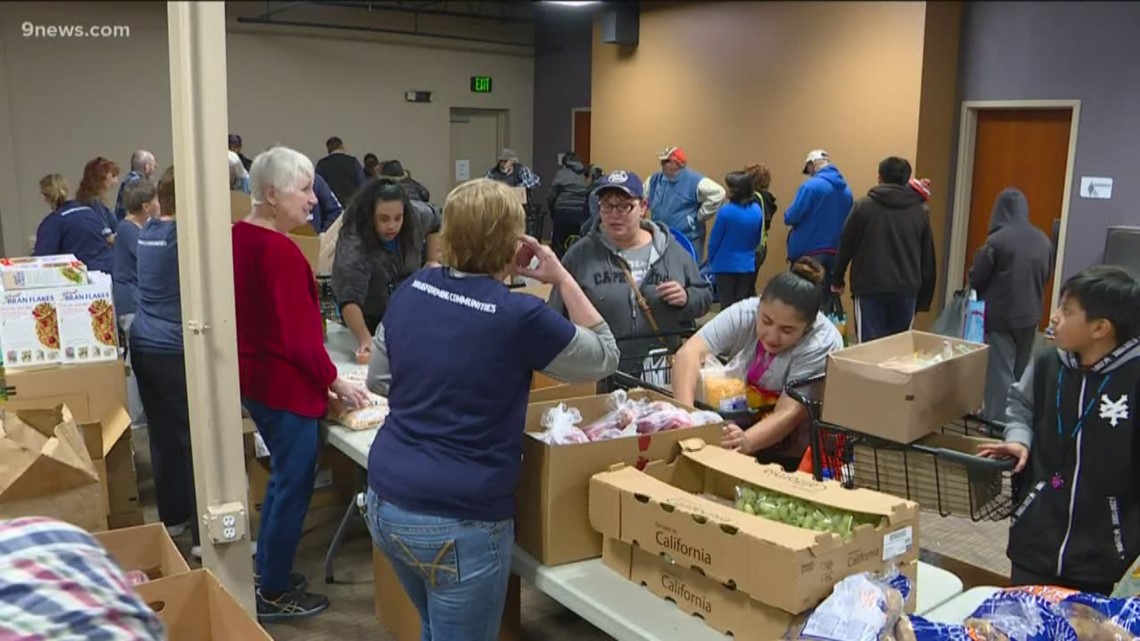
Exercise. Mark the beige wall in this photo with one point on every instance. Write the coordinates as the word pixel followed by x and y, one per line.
pixel 734 83
pixel 65 101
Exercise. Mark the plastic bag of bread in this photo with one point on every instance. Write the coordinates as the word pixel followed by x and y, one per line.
pixel 723 387
pixel 1098 618
pixel 1129 584
pixel 1027 613
pixel 861 607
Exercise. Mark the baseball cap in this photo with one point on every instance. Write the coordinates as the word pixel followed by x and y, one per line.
pixel 508 154
pixel 814 155
pixel 235 139
pixel 673 153
pixel 626 181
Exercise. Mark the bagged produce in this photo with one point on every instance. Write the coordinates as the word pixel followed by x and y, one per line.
pixel 922 360
pixel 775 506
pixel 862 607
pixel 561 425
pixel 627 417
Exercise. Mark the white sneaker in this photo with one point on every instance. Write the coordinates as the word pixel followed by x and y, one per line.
pixel 177 530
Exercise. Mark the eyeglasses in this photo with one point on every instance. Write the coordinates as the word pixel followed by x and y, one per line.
pixel 618 208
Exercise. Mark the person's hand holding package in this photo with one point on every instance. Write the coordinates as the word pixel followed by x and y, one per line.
pixel 350 394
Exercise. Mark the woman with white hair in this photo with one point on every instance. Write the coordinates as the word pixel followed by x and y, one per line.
pixel 285 372
pixel 239 177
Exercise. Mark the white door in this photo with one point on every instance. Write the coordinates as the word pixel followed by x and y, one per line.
pixel 475 143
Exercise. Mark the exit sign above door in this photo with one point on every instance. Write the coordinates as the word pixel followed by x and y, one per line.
pixel 481 84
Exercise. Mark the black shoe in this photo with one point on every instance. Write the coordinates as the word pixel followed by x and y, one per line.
pixel 297 581
pixel 295 604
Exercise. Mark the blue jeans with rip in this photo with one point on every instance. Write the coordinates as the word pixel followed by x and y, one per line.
pixel 454 571
pixel 293 443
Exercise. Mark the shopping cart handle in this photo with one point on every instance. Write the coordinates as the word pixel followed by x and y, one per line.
pixel 970 461
pixel 805 391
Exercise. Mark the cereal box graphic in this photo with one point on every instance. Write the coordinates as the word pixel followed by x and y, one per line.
pixel 87 328
pixel 29 328
pixel 36 272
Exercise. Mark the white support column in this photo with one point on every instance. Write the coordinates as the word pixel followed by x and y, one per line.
pixel 197 36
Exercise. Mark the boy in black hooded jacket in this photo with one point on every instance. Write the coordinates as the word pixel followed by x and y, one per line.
pixel 1071 427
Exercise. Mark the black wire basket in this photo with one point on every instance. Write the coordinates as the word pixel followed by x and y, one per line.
pixel 330 311
pixel 941 472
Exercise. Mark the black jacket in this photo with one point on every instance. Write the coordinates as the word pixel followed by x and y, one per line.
pixel 1080 516
pixel 1011 269
pixel 888 242
pixel 568 193
pixel 343 173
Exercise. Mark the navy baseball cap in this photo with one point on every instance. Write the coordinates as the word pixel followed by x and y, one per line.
pixel 626 181
pixel 235 139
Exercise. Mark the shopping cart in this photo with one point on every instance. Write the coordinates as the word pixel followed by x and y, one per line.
pixel 939 472
pixel 648 358
pixel 330 311
pixel 535 220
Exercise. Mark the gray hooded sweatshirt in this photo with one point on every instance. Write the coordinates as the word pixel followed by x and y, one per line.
pixel 597 265
pixel 1011 269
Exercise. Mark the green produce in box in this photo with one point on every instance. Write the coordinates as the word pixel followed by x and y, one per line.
pixel 775 506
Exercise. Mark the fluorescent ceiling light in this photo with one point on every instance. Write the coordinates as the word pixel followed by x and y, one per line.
pixel 573 3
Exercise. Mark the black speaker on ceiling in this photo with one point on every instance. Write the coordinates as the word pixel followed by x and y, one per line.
pixel 620 23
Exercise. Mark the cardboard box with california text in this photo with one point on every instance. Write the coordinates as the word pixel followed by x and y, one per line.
pixel 732 612
pixel 777 564
pixel 900 406
pixel 146 548
pixel 45 469
pixel 552 522
pixel 196 607
pixel 395 611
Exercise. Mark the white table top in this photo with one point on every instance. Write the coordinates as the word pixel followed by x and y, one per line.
pixel 611 603
pixel 958 608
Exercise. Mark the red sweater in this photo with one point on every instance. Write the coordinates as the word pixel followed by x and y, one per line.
pixel 282 361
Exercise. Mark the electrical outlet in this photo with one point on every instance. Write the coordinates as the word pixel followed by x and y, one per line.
pixel 225 523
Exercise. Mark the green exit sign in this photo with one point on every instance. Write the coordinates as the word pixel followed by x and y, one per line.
pixel 481 84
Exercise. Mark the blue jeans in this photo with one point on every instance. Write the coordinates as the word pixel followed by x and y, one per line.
pixel 454 571
pixel 882 315
pixel 292 441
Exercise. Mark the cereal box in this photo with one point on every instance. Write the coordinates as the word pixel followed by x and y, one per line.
pixel 87 328
pixel 29 328
pixel 35 272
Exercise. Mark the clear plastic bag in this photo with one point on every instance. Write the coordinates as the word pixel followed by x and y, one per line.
pixel 1097 618
pixel 724 386
pixel 862 607
pixel 631 417
pixel 789 510
pixel 561 425
pixel 1027 613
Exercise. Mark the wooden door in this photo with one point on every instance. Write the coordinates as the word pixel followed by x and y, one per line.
pixel 1023 148
pixel 582 135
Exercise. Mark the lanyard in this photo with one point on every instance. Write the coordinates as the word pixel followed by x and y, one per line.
pixel 1088 407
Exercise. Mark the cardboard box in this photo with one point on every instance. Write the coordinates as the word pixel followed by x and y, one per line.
pixel 552 522
pixel 29 328
pixel 777 564
pixel 729 611
pixel 117 475
pixel 147 548
pixel 241 204
pixel 544 388
pixel 333 485
pixel 394 610
pixel 901 406
pixel 46 470
pixel 91 391
pixel 310 243
pixel 196 607
pixel 34 272
pixel 88 330
pixel 941 485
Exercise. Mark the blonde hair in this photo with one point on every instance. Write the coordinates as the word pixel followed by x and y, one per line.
pixel 54 188
pixel 482 222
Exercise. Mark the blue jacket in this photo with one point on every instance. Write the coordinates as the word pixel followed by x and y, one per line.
pixel 817 214
pixel 328 208
pixel 120 208
pixel 76 229
pixel 736 234
pixel 675 202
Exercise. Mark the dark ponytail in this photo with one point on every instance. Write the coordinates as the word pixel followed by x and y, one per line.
pixel 799 287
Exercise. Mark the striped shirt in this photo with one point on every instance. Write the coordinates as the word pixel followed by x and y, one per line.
pixel 58 583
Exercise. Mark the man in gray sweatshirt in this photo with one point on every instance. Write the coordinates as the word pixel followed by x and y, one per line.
pixel 667 292
pixel 1009 274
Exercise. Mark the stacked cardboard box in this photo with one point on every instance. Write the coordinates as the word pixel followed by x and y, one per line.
pixel 671 527
pixel 552 521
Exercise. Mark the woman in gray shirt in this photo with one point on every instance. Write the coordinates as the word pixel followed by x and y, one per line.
pixel 783 337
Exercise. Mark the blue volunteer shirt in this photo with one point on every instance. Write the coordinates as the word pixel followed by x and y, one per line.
pixel 76 229
pixel 120 208
pixel 126 275
pixel 108 216
pixel 158 316
pixel 461 351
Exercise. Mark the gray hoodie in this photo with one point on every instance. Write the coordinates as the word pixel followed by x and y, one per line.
pixel 1011 269
pixel 596 264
